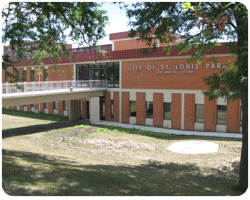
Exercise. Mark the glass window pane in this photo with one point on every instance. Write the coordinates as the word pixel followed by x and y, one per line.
pixel 46 75
pixel 167 111
pixel 199 113
pixel 149 109
pixel 55 105
pixel 132 108
pixel 221 114
pixel 112 109
pixel 32 75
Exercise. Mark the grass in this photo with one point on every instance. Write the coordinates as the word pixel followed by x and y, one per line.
pixel 16 119
pixel 83 159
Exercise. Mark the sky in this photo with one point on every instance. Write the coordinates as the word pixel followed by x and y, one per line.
pixel 118 21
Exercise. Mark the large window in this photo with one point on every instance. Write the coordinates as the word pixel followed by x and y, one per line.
pixel 149 109
pixel 221 114
pixel 99 71
pixel 132 108
pixel 167 111
pixel 199 113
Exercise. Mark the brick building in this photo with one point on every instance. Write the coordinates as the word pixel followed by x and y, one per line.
pixel 157 89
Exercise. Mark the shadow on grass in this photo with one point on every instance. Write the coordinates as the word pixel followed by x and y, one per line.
pixel 25 173
pixel 28 114
pixel 39 128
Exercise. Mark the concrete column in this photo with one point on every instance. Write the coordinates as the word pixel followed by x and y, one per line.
pixel 73 110
pixel 94 109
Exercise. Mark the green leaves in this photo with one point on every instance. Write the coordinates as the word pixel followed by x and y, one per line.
pixel 187 6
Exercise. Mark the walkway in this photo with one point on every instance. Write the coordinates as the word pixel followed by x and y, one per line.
pixel 171 131
pixel 39 92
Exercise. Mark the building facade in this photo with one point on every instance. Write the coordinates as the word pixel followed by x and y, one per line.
pixel 157 89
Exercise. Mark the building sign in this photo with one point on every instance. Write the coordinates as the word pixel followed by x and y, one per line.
pixel 175 69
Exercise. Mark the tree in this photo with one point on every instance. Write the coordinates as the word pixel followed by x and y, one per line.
pixel 44 25
pixel 215 21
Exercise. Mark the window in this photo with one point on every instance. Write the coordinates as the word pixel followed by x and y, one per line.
pixel 99 71
pixel 55 105
pixel 32 75
pixel 102 108
pixel 46 105
pixel 132 108
pixel 149 109
pixel 65 105
pixel 167 111
pixel 199 113
pixel 221 114
pixel 46 75
pixel 112 109
pixel 17 74
pixel 24 75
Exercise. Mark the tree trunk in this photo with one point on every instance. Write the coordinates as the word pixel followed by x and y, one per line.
pixel 242 31
pixel 243 174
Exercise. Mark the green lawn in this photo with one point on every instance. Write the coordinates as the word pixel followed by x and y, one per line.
pixel 82 159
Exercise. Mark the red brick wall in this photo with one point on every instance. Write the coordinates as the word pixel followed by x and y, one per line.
pixel 189 112
pixel 60 108
pixel 150 74
pixel 51 107
pixel 125 107
pixel 233 116
pixel 28 74
pixel 42 107
pixel 28 107
pixel 116 107
pixel 176 111
pixel 60 76
pixel 3 76
pixel 108 106
pixel 140 108
pixel 129 44
pixel 158 109
pixel 210 114
pixel 84 109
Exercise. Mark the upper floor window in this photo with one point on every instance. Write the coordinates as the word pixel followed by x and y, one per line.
pixel 32 75
pixel 46 75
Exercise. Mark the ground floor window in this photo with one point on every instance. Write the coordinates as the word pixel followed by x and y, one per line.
pixel 199 113
pixel 55 104
pixel 132 108
pixel 102 108
pixel 149 109
pixel 112 109
pixel 167 111
pixel 65 105
pixel 221 114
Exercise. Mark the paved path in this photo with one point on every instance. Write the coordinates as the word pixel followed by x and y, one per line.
pixel 172 131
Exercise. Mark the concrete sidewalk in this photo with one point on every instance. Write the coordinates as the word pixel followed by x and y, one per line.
pixel 171 131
